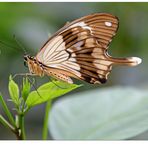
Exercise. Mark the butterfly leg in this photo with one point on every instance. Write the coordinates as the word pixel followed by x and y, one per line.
pixel 24 74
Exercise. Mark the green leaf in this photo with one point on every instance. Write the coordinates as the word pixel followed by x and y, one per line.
pixel 26 88
pixel 13 91
pixel 49 91
pixel 107 114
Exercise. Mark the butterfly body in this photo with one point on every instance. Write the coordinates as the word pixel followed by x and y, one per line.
pixel 79 50
pixel 37 68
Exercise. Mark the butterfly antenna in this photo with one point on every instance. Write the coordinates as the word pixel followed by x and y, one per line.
pixel 8 45
pixel 56 84
pixel 20 45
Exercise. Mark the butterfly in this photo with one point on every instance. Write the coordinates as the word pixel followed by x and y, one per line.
pixel 79 50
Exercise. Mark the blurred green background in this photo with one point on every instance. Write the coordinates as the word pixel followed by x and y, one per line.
pixel 33 23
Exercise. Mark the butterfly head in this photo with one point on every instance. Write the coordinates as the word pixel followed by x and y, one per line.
pixel 34 66
pixel 26 59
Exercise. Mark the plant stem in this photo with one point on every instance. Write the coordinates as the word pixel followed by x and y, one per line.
pixel 6 110
pixel 22 126
pixel 9 126
pixel 6 123
pixel 45 124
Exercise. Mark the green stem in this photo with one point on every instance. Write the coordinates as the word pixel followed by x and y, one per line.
pixel 6 123
pixel 22 126
pixel 9 126
pixel 45 124
pixel 6 110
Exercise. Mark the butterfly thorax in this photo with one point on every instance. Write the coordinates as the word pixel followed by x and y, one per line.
pixel 35 67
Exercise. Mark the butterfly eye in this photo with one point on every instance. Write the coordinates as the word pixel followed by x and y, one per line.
pixel 25 63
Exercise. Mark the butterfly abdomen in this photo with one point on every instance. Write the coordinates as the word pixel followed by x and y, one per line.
pixel 57 75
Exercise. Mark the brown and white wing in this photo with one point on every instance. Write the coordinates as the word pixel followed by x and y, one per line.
pixel 79 48
pixel 103 26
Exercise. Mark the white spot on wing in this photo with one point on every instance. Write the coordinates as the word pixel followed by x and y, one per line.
pixel 82 24
pixel 108 24
pixel 135 61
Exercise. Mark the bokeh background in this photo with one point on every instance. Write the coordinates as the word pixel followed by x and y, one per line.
pixel 33 23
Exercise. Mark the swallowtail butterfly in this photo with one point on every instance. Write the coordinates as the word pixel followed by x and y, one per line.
pixel 79 50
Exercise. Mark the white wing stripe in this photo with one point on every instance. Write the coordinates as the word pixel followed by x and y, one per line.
pixel 48 48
